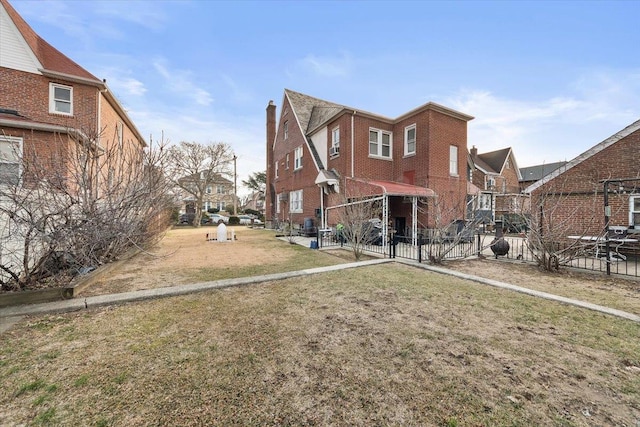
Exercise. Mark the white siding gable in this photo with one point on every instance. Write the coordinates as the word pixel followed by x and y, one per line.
pixel 14 50
pixel 320 142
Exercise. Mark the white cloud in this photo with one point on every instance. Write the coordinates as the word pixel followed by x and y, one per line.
pixel 180 82
pixel 549 130
pixel 328 66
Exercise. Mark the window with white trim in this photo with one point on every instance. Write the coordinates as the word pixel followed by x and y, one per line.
pixel 286 129
pixel 453 160
pixel 634 211
pixel 10 154
pixel 60 99
pixel 119 134
pixel 277 203
pixel 276 170
pixel 208 190
pixel 297 158
pixel 286 162
pixel 295 201
pixel 380 143
pixel 206 206
pixel 334 151
pixel 410 140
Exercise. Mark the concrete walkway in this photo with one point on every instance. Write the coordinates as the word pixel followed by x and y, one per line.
pixel 11 315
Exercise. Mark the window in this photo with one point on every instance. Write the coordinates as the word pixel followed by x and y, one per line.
pixel 410 140
pixel 278 203
pixel 276 171
pixel 298 158
pixel 220 189
pixel 208 190
pixel 286 129
pixel 221 206
pixel 60 99
pixel 206 206
pixel 484 202
pixel 634 211
pixel 10 153
pixel 491 183
pixel 453 160
pixel 119 134
pixel 295 204
pixel 286 164
pixel 379 143
pixel 335 142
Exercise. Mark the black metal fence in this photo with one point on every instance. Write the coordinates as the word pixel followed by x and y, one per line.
pixel 431 247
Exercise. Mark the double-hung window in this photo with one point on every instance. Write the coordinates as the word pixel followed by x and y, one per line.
pixel 276 169
pixel 221 205
pixel 410 140
pixel 634 211
pixel 220 189
pixel 295 201
pixel 286 162
pixel 453 160
pixel 297 158
pixel 10 154
pixel 60 99
pixel 335 142
pixel 380 143
pixel 286 129
pixel 119 134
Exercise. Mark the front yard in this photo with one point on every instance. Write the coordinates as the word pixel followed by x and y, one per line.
pixel 381 345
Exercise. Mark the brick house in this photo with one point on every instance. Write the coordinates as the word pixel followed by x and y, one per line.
pixel 217 195
pixel 497 177
pixel 49 104
pixel 320 154
pixel 574 194
pixel 531 174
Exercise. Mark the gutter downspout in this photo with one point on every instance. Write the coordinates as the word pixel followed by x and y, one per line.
pixel 353 144
pixel 322 224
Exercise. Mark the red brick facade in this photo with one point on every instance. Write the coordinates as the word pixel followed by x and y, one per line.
pixel 574 194
pixel 437 129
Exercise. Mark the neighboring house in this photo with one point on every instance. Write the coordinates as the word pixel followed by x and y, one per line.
pixel 574 194
pixel 317 148
pixel 217 194
pixel 255 201
pixel 496 176
pixel 49 105
pixel 531 174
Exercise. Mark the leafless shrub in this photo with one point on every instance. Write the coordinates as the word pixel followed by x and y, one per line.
pixel 80 205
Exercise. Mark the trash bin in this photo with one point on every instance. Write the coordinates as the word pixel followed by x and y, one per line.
pixel 313 244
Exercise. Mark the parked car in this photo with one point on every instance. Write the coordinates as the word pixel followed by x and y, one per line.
pixel 188 218
pixel 245 219
pixel 217 219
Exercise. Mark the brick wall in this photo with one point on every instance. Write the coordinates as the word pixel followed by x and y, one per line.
pixel 575 197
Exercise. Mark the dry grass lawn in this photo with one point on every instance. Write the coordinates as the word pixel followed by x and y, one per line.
pixel 381 345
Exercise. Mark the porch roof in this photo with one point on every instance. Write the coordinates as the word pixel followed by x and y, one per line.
pixel 393 188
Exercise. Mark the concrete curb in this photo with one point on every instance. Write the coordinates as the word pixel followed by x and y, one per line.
pixel 10 314
pixel 147 294
pixel 539 294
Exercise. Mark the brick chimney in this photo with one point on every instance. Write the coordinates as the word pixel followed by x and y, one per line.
pixel 474 152
pixel 270 196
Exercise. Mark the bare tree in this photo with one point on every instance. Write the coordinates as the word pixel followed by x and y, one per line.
pixel 81 205
pixel 557 213
pixel 447 228
pixel 193 167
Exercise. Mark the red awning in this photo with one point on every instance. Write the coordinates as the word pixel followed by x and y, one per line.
pixel 387 188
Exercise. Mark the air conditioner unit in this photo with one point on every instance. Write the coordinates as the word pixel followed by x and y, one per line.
pixel 283 197
pixel 334 150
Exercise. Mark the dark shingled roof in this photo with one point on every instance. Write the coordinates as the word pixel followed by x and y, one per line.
pixel 534 173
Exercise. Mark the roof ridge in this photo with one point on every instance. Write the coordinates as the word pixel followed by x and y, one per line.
pixel 50 57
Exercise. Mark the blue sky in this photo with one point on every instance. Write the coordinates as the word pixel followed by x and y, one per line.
pixel 549 79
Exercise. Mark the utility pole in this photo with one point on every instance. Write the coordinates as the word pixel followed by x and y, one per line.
pixel 235 186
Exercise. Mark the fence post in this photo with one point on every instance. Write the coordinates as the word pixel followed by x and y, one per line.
pixel 319 237
pixel 478 244
pixel 419 248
